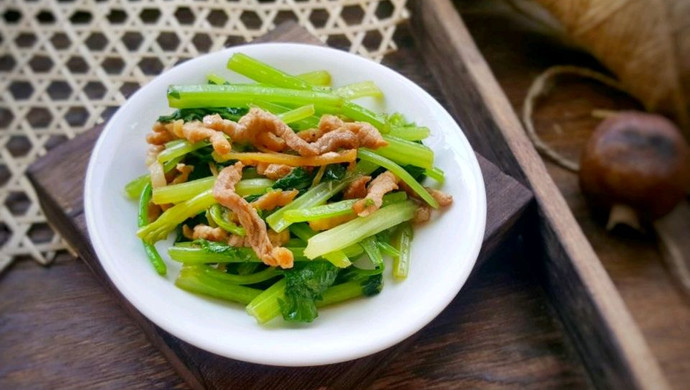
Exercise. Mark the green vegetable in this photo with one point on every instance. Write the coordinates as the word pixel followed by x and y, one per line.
pixel 198 114
pixel 264 73
pixel 218 215
pixel 252 278
pixel 336 209
pixel 304 286
pixel 176 193
pixel 319 78
pixel 406 152
pixel 437 174
pixel 317 195
pixel 402 241
pixel 194 279
pixel 209 95
pixel 297 114
pixel 410 133
pixel 368 155
pixel 354 231
pixel 265 307
pixel 143 220
pixel 213 78
pixel 180 149
pixel 202 252
pixel 358 90
pixel 253 186
pixel 133 188
pixel 372 250
pixel 298 179
pixel 168 221
pixel 337 258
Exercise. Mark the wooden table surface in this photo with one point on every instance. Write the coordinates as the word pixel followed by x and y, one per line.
pixel 102 346
pixel 517 50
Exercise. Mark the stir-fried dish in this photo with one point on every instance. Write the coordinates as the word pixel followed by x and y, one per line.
pixel 283 195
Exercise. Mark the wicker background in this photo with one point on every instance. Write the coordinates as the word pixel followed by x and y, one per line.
pixel 66 66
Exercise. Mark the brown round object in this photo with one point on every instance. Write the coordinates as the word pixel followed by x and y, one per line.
pixel 638 160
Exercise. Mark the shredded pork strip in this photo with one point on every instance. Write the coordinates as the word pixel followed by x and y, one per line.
pixel 206 232
pixel 193 132
pixel 273 171
pixel 441 197
pixel 422 213
pixel 273 199
pixel 160 134
pixel 254 226
pixel 380 186
pixel 357 189
pixel 184 171
pixel 258 127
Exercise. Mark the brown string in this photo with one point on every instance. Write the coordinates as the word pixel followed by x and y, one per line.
pixel 539 88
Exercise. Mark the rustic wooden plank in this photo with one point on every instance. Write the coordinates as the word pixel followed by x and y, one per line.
pixel 63 206
pixel 609 340
pixel 60 327
pixel 516 48
pixel 202 369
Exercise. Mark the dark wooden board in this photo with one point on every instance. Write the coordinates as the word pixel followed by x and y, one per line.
pixel 62 203
pixel 605 333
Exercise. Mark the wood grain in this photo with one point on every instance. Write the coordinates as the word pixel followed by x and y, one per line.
pixel 514 47
pixel 616 354
pixel 532 343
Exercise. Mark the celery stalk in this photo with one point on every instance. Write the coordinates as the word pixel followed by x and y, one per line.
pixel 344 207
pixel 320 212
pixel 358 90
pixel 264 73
pixel 315 196
pixel 406 152
pixel 340 293
pixel 297 114
pixel 369 155
pixel 166 222
pixel 356 230
pixel 265 306
pixel 437 174
pixel 180 149
pixel 253 186
pixel 133 188
pixel 176 193
pixel 306 123
pixel 209 95
pixel 410 133
pixel 192 280
pixel 188 254
pixel 372 250
pixel 217 215
pixel 359 113
pixel 304 232
pixel 256 277
pixel 215 79
pixel 402 241
pixel 142 221
pixel 319 78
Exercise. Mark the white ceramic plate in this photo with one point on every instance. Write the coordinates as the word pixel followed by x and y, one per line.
pixel 444 250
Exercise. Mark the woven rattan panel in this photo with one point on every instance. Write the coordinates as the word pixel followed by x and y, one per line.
pixel 66 66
